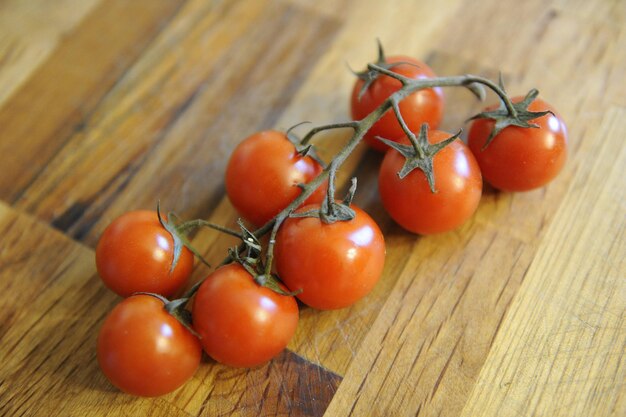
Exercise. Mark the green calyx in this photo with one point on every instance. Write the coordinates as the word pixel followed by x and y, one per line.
pixel 303 149
pixel 420 154
pixel 331 211
pixel 373 71
pixel 250 258
pixel 503 117
pixel 175 308
pixel 179 230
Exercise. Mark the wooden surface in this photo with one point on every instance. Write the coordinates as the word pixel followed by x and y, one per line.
pixel 108 105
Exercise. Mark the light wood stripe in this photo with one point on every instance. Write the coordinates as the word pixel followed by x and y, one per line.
pixel 29 33
pixel 562 347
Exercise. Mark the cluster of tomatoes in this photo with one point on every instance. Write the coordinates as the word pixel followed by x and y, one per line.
pixel 515 159
pixel 148 346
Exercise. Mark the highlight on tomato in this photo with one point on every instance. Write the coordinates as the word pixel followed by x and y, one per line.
pixel 370 90
pixel 135 253
pixel 264 173
pixel 333 265
pixel 434 192
pixel 520 158
pixel 145 351
pixel 240 322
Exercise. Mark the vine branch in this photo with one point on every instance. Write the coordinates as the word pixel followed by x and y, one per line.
pixel 361 127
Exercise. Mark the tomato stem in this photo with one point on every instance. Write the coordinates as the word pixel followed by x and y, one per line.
pixel 193 224
pixel 152 294
pixel 307 138
pixel 410 135
pixel 269 257
pixel 378 68
pixel 330 193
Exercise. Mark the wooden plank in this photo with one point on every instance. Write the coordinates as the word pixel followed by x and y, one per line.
pixel 47 333
pixel 29 32
pixel 48 329
pixel 55 101
pixel 420 359
pixel 606 12
pixel 447 331
pixel 529 49
pixel 435 327
pixel 562 348
pixel 286 386
pixel 180 111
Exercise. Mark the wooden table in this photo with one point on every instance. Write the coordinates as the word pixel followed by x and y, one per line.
pixel 108 105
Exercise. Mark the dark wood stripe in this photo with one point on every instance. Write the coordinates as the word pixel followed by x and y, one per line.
pixel 53 104
pixel 287 386
pixel 175 149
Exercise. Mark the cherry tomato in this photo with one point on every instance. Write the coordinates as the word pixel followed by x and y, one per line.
pixel 263 174
pixel 423 106
pixel 240 322
pixel 521 159
pixel 145 351
pixel 335 264
pixel 135 253
pixel 410 202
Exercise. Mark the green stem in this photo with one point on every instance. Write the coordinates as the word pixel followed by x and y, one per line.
pixel 192 224
pixel 407 131
pixel 496 89
pixel 456 81
pixel 330 192
pixel 404 80
pixel 307 138
pixel 269 257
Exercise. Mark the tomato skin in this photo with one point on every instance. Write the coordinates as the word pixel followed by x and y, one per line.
pixel 241 323
pixel 145 351
pixel 423 106
pixel 135 253
pixel 263 173
pixel 411 203
pixel 521 159
pixel 334 265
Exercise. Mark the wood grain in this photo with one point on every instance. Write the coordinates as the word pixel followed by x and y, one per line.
pixel 162 124
pixel 47 372
pixel 108 105
pixel 30 32
pixel 55 100
pixel 562 347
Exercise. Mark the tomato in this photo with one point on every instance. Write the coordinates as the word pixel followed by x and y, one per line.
pixel 135 253
pixel 263 174
pixel 145 351
pixel 335 264
pixel 423 106
pixel 411 203
pixel 240 322
pixel 521 159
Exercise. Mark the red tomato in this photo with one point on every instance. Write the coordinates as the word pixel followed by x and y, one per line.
pixel 335 264
pixel 423 106
pixel 263 173
pixel 240 322
pixel 135 253
pixel 145 351
pixel 410 202
pixel 521 159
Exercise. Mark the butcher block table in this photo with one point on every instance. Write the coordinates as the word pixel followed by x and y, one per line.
pixel 108 106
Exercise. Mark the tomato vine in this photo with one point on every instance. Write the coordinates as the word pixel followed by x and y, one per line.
pixel 414 159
